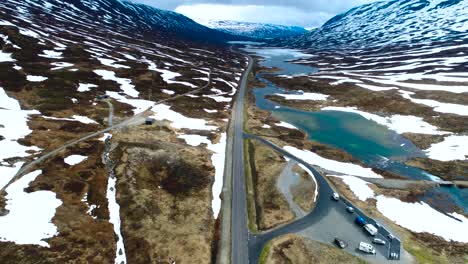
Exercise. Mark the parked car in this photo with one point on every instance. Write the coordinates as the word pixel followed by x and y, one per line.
pixel 350 209
pixel 335 196
pixel 340 243
pixel 378 225
pixel 360 221
pixel 379 241
pixel 390 236
pixel 367 248
pixel 371 229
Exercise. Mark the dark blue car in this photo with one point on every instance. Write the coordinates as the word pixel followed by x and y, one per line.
pixel 360 221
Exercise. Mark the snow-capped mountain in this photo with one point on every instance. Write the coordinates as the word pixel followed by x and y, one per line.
pixel 391 22
pixel 253 30
pixel 128 16
pixel 74 75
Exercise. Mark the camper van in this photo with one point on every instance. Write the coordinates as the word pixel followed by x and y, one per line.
pixel 367 248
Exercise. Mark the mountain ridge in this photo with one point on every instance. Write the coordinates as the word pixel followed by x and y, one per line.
pixel 391 22
pixel 253 30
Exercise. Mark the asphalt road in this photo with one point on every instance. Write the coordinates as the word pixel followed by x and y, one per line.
pixel 328 220
pixel 239 228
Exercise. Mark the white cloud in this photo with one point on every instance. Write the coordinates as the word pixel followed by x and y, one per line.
pixel 255 13
pixel 287 12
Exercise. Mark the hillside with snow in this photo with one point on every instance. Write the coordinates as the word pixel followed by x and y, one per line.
pixel 392 22
pixel 253 30
pixel 78 81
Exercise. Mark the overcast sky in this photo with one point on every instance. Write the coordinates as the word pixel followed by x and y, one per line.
pixel 306 13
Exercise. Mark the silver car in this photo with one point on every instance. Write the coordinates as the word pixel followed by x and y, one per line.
pixel 379 241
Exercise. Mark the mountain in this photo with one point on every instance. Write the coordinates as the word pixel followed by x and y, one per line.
pixel 113 118
pixel 131 17
pixel 391 23
pixel 253 30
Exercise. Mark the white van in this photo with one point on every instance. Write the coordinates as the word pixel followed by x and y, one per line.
pixel 371 229
pixel 365 247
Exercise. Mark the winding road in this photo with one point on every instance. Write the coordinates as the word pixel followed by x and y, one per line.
pixel 327 220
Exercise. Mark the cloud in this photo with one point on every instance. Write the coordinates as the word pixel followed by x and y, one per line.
pixel 255 13
pixel 307 13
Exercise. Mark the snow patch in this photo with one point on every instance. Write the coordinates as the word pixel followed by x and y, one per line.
pixel 452 148
pixel 163 112
pixel 286 125
pixel 359 187
pixel 5 57
pixel 125 84
pixel 74 159
pixel 332 165
pixel 398 123
pixel 304 96
pixel 51 54
pixel 85 87
pixel 29 220
pixel 34 78
pixel 420 217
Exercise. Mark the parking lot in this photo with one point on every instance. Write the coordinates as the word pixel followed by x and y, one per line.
pixel 338 222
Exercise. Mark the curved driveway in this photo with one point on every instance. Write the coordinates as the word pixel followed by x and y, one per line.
pixel 328 220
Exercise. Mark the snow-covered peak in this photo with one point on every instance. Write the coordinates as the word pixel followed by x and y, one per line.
pixel 253 30
pixel 391 23
pixel 122 15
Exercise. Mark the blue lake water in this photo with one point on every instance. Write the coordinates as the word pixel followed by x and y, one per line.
pixel 372 143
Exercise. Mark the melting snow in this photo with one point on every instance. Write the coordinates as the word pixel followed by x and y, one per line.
pixel 332 165
pixel 304 96
pixel 438 106
pixel 210 111
pixel 167 91
pixel 85 87
pixel 112 63
pixel 13 126
pixel 51 54
pixel 163 112
pixel 398 123
pixel 5 57
pixel 60 65
pixel 125 84
pixel 452 148
pixel 359 187
pixel 420 217
pixel 167 75
pixel 33 78
pixel 114 219
pixel 74 159
pixel 75 118
pixel 286 125
pixel 30 218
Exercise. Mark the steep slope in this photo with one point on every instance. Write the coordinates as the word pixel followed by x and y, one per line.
pixel 128 192
pixel 392 22
pixel 254 30
pixel 130 16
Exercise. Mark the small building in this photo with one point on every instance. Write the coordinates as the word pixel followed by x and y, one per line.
pixel 102 97
pixel 149 121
